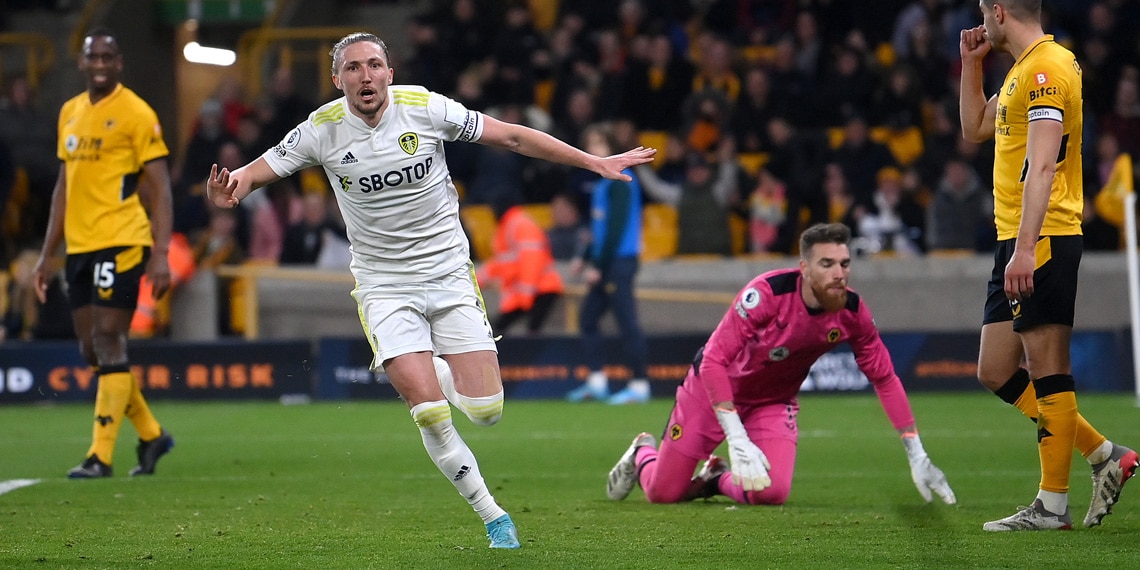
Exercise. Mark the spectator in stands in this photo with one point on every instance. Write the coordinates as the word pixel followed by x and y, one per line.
pixel 861 159
pixel 306 239
pixel 10 223
pixel 231 94
pixel 466 35
pixel 767 213
pixel 202 150
pixel 796 159
pixel 1098 233
pixel 703 200
pixel 714 68
pixel 896 222
pixel 657 86
pixel 961 211
pixel 791 85
pixel 219 244
pixel 847 88
pixel 568 235
pixel 898 103
pixel 706 117
pixel 579 113
pixel 522 269
pixel 939 144
pixel 496 174
pixel 753 111
pixel 841 206
pixel 1100 71
pixel 277 209
pixel 30 137
pixel 1123 121
pixel 609 266
pixel 917 13
pixel 931 68
pixel 289 106
pixel 429 64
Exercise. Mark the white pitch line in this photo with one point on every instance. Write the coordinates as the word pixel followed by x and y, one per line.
pixel 13 484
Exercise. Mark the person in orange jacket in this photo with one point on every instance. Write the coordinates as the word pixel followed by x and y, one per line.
pixel 523 269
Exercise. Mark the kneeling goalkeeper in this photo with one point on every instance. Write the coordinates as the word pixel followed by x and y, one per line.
pixel 743 385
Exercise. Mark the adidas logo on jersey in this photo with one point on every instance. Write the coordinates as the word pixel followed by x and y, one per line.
pixel 348 159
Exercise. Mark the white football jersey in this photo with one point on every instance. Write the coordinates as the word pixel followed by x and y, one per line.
pixel 391 182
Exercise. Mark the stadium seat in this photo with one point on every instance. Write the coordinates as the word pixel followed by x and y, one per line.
pixel 541 214
pixel 906 145
pixel 738 232
pixel 835 136
pixel 658 231
pixel 480 222
pixel 544 93
pixel 544 14
pixel 752 162
pixel 654 139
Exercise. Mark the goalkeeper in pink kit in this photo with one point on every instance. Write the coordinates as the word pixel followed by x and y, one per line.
pixel 743 384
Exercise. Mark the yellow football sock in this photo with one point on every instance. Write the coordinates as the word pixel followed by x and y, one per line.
pixel 111 397
pixel 1088 439
pixel 139 414
pixel 1056 430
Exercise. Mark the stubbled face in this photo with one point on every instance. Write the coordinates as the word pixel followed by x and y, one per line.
pixel 364 76
pixel 825 272
pixel 993 28
pixel 101 64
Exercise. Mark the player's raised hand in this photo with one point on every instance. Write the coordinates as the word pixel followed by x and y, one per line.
pixel 974 44
pixel 612 166
pixel 220 187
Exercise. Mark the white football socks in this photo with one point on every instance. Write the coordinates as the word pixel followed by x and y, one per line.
pixel 453 458
pixel 1101 454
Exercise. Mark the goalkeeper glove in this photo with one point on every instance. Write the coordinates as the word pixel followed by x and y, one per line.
pixel 749 466
pixel 927 477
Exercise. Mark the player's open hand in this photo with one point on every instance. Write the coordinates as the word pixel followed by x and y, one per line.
pixel 974 44
pixel 612 166
pixel 929 480
pixel 220 187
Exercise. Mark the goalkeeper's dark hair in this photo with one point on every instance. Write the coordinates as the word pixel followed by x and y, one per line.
pixel 823 233
pixel 337 52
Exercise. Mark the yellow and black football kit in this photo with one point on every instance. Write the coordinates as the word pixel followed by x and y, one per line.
pixel 1043 85
pixel 104 147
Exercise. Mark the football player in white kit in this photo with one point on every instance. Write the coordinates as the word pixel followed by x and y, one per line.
pixel 381 146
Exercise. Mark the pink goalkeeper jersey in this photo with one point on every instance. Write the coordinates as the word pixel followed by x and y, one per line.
pixel 763 348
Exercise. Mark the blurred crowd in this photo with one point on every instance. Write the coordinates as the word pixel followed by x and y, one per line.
pixel 768 115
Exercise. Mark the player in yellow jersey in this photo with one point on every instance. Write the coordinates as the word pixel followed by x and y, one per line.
pixel 113 172
pixel 1038 201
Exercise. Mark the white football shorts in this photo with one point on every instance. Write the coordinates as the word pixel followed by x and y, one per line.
pixel 445 315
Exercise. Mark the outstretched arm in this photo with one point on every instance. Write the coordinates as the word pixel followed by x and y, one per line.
pixel 225 189
pixel 537 144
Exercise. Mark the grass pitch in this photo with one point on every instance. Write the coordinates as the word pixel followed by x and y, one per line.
pixel 348 485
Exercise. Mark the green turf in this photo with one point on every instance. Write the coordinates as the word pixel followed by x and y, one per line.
pixel 348 485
